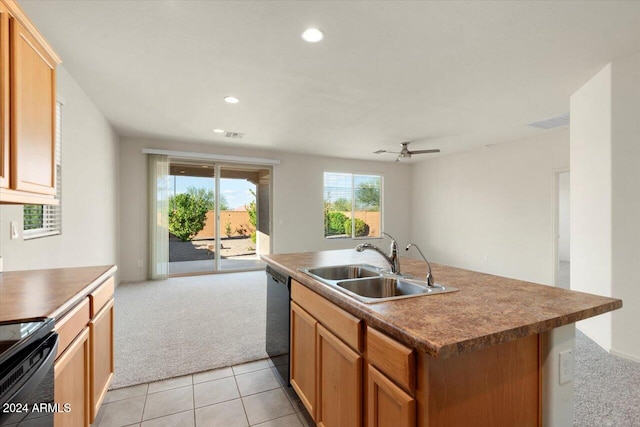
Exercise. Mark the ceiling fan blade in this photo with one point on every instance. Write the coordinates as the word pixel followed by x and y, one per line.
pixel 425 151
pixel 385 151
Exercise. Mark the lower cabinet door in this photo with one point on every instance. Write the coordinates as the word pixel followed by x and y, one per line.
pixel 71 372
pixel 340 382
pixel 101 334
pixel 387 404
pixel 303 357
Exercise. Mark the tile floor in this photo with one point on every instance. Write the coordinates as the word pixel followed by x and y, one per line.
pixel 242 395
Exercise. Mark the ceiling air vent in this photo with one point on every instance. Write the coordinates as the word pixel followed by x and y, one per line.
pixel 234 135
pixel 553 122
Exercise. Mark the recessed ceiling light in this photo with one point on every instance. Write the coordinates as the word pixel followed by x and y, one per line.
pixel 312 35
pixel 218 130
pixel 231 99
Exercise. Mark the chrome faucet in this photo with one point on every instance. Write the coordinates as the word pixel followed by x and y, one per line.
pixel 430 280
pixel 392 258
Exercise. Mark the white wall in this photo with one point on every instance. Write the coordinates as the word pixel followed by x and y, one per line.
pixel 89 193
pixel 591 197
pixel 626 204
pixel 297 199
pixel 491 210
pixel 605 201
pixel 564 252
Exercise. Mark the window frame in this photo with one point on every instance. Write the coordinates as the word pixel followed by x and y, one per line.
pixel 51 214
pixel 353 176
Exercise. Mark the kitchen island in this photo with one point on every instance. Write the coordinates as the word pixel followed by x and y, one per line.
pixel 473 357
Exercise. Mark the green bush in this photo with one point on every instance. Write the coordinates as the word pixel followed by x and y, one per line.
pixel 362 228
pixel 187 215
pixel 334 223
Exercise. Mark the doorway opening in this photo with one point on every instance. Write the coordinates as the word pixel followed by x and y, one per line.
pixel 562 249
pixel 219 217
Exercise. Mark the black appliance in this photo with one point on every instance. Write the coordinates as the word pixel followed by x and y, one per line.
pixel 27 352
pixel 277 329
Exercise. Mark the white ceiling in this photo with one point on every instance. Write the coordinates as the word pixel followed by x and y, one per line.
pixel 449 75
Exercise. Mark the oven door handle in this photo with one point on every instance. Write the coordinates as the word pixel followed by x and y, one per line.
pixel 26 386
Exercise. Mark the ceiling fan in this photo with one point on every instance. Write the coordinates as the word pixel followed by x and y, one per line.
pixel 405 153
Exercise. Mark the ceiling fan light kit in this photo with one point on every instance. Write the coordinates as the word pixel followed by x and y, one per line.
pixel 405 153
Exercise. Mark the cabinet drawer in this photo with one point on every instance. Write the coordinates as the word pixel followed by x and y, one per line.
pixel 101 296
pixel 342 324
pixel 397 361
pixel 71 324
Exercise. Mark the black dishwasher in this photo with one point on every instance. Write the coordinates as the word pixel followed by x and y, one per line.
pixel 27 351
pixel 277 329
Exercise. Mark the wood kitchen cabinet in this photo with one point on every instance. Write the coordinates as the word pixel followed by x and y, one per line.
pixel 339 382
pixel 71 368
pixel 71 372
pixel 326 359
pixel 390 385
pixel 387 404
pixel 84 364
pixel 303 357
pixel 27 110
pixel 101 344
pixel 4 96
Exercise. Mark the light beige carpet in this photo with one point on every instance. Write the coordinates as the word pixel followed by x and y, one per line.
pixel 184 325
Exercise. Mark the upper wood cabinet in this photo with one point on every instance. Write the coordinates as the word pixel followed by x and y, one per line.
pixel 4 97
pixel 27 110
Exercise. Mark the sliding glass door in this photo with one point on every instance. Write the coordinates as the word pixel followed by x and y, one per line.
pixel 218 217
pixel 244 217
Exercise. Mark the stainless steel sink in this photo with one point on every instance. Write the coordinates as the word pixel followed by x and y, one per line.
pixel 342 272
pixel 371 284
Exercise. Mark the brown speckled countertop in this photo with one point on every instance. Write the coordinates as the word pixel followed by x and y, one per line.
pixel 487 310
pixel 47 293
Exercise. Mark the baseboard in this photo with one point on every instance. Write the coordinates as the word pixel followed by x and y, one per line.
pixel 625 355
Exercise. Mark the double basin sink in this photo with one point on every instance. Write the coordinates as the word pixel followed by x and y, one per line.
pixel 371 284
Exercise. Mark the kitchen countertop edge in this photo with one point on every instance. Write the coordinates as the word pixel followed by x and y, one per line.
pixel 20 287
pixel 432 348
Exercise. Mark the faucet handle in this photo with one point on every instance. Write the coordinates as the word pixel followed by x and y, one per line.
pixel 394 243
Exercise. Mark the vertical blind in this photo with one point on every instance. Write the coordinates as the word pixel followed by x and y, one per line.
pixel 46 220
pixel 159 184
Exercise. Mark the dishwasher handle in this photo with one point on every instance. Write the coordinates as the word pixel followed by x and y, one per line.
pixel 277 276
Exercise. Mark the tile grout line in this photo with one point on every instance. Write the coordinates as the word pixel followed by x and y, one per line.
pixel 172 413
pixel 193 396
pixel 246 416
pixel 144 405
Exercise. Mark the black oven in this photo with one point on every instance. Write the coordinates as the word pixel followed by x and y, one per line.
pixel 277 329
pixel 27 352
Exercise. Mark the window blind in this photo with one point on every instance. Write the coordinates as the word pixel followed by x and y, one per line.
pixel 348 196
pixel 46 220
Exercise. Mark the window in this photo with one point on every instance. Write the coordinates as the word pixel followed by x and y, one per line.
pixel 45 220
pixel 348 196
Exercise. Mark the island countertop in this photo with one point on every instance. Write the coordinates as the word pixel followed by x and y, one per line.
pixel 47 293
pixel 487 310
